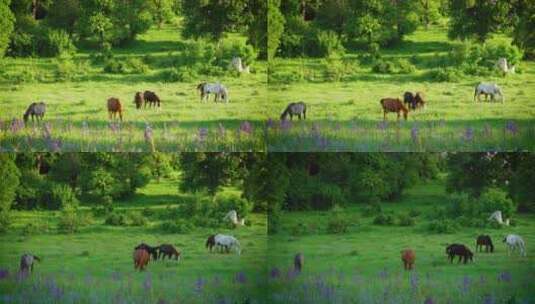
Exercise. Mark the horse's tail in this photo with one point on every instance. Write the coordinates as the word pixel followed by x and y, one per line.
pixel 304 111
pixel 37 258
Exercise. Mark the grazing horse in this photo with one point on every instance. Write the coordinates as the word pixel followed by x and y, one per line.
pixel 486 89
pixel 419 100
pixel 151 250
pixel 408 100
pixel 413 101
pixel 232 216
pixel 151 98
pixel 514 241
pixel 228 242
pixel 461 250
pixel 36 109
pixel 141 259
pixel 138 100
pixel 114 108
pixel 210 242
pixel 408 257
pixel 299 260
pixel 295 108
pixel 219 90
pixel 395 106
pixel 27 261
pixel 484 240
pixel 168 250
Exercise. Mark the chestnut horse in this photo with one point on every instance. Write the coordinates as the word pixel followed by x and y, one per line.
pixel 168 250
pixel 141 259
pixel 408 257
pixel 138 100
pixel 114 108
pixel 394 105
pixel 151 98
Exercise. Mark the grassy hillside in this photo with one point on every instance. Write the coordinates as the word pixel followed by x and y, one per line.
pixel 364 266
pixel 77 114
pixel 95 265
pixel 344 113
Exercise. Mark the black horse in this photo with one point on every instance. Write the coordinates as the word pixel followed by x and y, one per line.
pixel 295 108
pixel 461 250
pixel 484 240
pixel 299 260
pixel 167 250
pixel 151 98
pixel 210 242
pixel 408 100
pixel 153 251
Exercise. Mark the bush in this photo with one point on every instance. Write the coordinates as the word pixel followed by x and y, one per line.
pixel 60 196
pixel 66 70
pixel 406 220
pixel 177 226
pixel 274 220
pixel 285 77
pixel 371 209
pixel 30 229
pixel 5 221
pixel 493 199
pixel 384 219
pixel 116 219
pixel 148 212
pixel 137 219
pixel 227 200
pixel 337 224
pixel 485 55
pixel 414 212
pixel 299 229
pixel 405 66
pixel 70 221
pixel 400 66
pixel 53 42
pixel 182 74
pixel 325 44
pixel 443 226
pixel 444 75
pixel 229 50
pixel 136 66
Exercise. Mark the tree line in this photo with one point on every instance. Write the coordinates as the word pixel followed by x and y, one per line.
pixel 50 27
pixel 320 27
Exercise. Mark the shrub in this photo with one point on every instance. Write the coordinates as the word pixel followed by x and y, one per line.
pixel 405 66
pixel 335 70
pixel 65 70
pixel 406 220
pixel 337 224
pixel 136 66
pixel 116 219
pixel 182 74
pixel 5 220
pixel 326 44
pixel 131 65
pixel 414 212
pixel 70 221
pixel 137 219
pixel 384 219
pixel 148 212
pixel 444 75
pixel 274 220
pixel 299 229
pixel 493 199
pixel 60 196
pixel 177 226
pixel 229 50
pixel 371 209
pixel 30 229
pixel 443 226
pixel 115 66
pixel 53 42
pixel 227 200
pixel 285 77
pixel 384 67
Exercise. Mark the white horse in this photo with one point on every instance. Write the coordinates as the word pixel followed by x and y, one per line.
pixel 503 66
pixel 232 216
pixel 486 89
pixel 228 242
pixel 238 65
pixel 497 216
pixel 514 241
pixel 219 90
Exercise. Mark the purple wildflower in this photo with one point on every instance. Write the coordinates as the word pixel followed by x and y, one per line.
pixel 285 125
pixel 488 299
pixel 414 134
pixel 291 274
pixel 4 273
pixel 116 276
pixel 429 300
pixel 414 281
pixel 16 125
pixel 47 130
pixel 240 278
pixel 270 123
pixel 202 134
pixel 221 130
pixel 54 145
pixel 246 127
pixel 383 125
pixel 466 284
pixel 274 273
pixel 504 276
pixel 147 283
pixel 199 285
pixel 469 134
pixel 383 274
pixel 511 127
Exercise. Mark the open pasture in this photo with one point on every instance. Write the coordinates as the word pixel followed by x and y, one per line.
pixel 364 265
pixel 96 265
pixel 77 117
pixel 344 114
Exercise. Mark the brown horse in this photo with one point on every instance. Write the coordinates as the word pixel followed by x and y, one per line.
pixel 408 257
pixel 168 250
pixel 138 100
pixel 35 110
pixel 114 108
pixel 151 98
pixel 210 242
pixel 26 262
pixel 141 259
pixel 299 260
pixel 394 105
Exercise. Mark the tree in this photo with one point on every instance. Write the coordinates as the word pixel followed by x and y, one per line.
pixel 212 18
pixel 64 14
pixel 257 26
pixel 7 21
pixel 275 25
pixel 429 11
pixel 477 18
pixel 9 181
pixel 206 171
pixel 159 164
pixel 523 33
pixel 162 11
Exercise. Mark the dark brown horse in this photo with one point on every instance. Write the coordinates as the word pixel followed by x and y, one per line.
pixel 460 250
pixel 138 100
pixel 210 242
pixel 151 98
pixel 413 101
pixel 299 260
pixel 115 108
pixel 153 251
pixel 141 259
pixel 26 262
pixel 419 100
pixel 484 240
pixel 395 106
pixel 408 257
pixel 37 110
pixel 167 250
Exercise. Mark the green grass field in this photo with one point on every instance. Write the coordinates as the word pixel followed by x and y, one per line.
pixel 77 113
pixel 95 265
pixel 364 265
pixel 345 115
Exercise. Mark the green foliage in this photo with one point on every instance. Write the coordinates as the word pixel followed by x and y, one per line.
pixel 480 59
pixel 161 10
pixel 205 171
pixel 405 219
pixel 30 229
pixel 137 219
pixel 443 226
pixel 444 75
pixel 229 200
pixel 130 65
pixel 325 44
pixel 116 219
pixel 337 224
pixel 371 209
pixel 399 66
pixel 384 219
pixel 70 220
pixel 275 24
pixel 53 43
pixel 523 35
pixel 181 226
pixel 66 70
pixel 493 199
pixel 61 197
pixel 274 219
pixel 9 181
pixel 5 220
pixel 182 74
pixel 7 20
pixel 285 77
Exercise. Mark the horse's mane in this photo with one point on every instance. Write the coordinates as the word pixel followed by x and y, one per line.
pixel 286 112
pixel 29 109
pixel 201 85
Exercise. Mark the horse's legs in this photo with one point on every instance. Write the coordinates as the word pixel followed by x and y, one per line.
pixel 299 116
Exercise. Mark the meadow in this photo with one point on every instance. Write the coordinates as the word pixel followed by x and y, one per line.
pixel 95 265
pixel 363 265
pixel 344 114
pixel 76 89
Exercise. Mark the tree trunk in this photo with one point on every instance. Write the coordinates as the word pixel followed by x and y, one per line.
pixel 34 8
